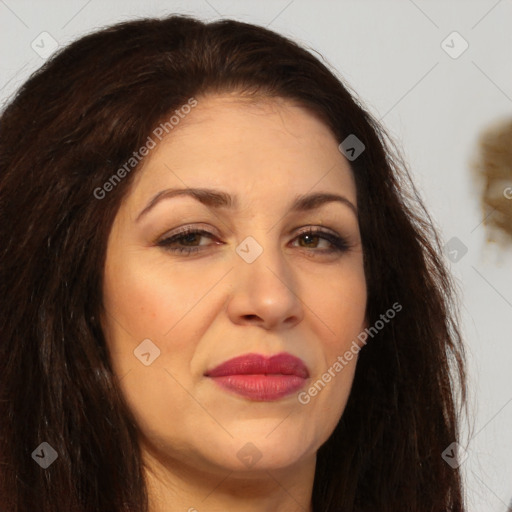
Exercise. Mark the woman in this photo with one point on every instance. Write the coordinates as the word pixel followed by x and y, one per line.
pixel 219 291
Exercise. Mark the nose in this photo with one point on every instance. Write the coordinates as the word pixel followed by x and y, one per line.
pixel 265 292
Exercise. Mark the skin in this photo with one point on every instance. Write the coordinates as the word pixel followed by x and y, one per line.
pixel 205 308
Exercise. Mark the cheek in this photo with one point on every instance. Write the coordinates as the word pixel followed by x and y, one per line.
pixel 340 308
pixel 162 303
pixel 150 300
pixel 339 312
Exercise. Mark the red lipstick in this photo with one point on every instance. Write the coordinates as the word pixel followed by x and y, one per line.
pixel 261 378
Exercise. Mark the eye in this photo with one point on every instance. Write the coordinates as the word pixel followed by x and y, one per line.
pixel 185 237
pixel 187 241
pixel 314 235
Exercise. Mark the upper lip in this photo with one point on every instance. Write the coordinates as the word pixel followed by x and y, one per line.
pixel 254 364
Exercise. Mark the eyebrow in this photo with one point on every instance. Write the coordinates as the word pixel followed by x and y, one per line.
pixel 217 199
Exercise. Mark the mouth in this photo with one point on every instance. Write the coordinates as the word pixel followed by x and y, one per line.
pixel 261 378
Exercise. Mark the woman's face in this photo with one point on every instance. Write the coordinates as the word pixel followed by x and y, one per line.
pixel 252 284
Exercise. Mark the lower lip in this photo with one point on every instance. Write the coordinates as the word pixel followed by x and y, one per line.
pixel 261 387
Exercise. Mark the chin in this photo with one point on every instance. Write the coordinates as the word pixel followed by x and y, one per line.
pixel 263 450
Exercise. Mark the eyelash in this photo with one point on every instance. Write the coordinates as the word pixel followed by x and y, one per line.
pixel 339 244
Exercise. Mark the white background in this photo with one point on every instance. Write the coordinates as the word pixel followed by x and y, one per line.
pixel 389 51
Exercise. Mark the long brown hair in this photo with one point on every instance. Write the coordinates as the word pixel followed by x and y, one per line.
pixel 69 128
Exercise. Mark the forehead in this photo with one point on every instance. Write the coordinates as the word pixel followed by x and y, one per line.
pixel 257 146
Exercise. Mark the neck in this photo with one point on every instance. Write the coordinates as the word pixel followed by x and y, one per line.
pixel 175 486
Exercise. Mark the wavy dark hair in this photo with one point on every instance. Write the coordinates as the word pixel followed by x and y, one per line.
pixel 65 132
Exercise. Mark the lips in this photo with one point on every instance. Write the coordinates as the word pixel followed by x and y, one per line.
pixel 257 377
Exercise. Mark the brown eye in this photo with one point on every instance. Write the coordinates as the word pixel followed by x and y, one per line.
pixel 188 238
pixel 313 236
